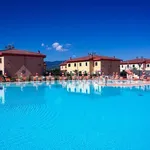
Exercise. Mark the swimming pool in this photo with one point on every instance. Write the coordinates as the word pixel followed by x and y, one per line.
pixel 74 115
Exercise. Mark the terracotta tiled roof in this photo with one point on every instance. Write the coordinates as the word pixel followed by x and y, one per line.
pixel 106 58
pixel 63 63
pixel 147 61
pixel 16 52
pixel 80 59
pixel 94 58
pixel 136 61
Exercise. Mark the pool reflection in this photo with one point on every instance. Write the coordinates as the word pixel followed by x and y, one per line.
pixel 35 92
pixel 87 87
pixel 93 87
pixel 2 95
pixel 25 94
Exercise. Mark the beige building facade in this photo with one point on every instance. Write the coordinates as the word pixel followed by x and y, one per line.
pixel 92 64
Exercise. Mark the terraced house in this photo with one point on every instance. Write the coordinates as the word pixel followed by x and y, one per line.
pixel 92 64
pixel 139 63
pixel 14 62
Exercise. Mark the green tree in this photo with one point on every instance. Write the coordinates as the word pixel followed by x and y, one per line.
pixel 134 69
pixel 76 72
pixel 55 72
pixel 123 73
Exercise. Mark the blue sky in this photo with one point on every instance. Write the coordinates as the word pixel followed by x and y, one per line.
pixel 111 28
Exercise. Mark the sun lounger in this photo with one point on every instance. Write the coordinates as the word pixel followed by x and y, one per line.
pixel 93 78
pixel 135 79
pixel 2 79
pixel 7 79
pixel 39 78
pixel 24 78
pixel 35 78
pixel 48 78
pixel 81 77
pixel 74 77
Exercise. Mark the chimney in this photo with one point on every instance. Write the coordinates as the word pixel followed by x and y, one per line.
pixel 70 58
pixel 137 57
pixel 114 57
pixel 91 56
pixel 38 51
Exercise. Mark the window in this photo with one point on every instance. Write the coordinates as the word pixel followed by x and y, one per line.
pixel 127 66
pixel 80 64
pixel 0 60
pixel 133 66
pixel 95 63
pixel 74 64
pixel 148 65
pixel 122 66
pixel 69 65
pixel 86 64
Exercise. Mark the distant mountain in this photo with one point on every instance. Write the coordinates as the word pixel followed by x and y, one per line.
pixel 53 64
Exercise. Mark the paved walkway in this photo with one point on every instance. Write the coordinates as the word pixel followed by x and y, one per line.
pixel 137 83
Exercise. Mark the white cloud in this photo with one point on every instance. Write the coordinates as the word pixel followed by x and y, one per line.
pixel 42 44
pixel 48 48
pixel 55 45
pixel 59 47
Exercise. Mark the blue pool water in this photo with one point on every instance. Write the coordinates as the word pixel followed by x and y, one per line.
pixel 74 116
